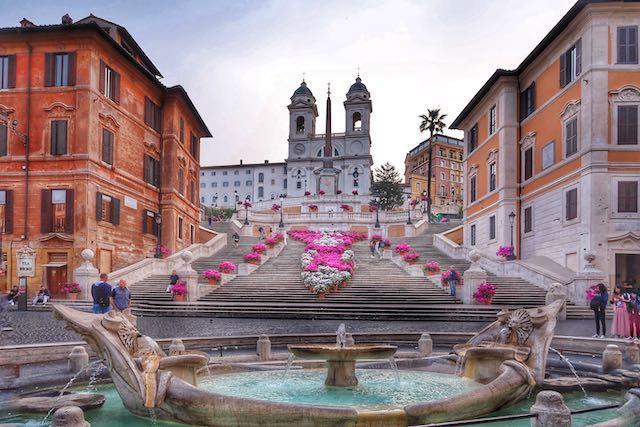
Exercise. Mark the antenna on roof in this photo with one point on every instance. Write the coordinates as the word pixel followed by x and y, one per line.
pixel 303 77
pixel 358 76
pixel 329 89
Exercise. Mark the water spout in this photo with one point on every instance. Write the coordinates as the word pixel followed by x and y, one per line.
pixel 289 363
pixel 341 336
pixel 394 367
pixel 571 368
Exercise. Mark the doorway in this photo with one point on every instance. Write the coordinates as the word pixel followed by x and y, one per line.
pixel 56 278
pixel 104 264
pixel 628 268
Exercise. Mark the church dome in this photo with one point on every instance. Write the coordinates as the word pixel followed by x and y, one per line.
pixel 358 86
pixel 303 90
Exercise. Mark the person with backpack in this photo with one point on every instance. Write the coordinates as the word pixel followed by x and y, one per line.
pixel 236 239
pixel 101 294
pixel 599 306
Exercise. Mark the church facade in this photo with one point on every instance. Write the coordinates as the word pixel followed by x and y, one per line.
pixel 346 156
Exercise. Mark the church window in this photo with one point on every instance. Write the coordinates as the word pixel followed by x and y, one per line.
pixel 273 182
pixel 300 124
pixel 321 152
pixel 355 183
pixel 357 121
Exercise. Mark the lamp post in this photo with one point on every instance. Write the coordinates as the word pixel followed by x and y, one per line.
pixel 246 210
pixel 377 199
pixel 512 218
pixel 424 201
pixel 236 200
pixel 158 219
pixel 215 200
pixel 355 178
pixel 409 209
pixel 281 225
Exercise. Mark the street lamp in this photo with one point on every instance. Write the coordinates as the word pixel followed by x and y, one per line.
pixel 512 218
pixel 281 225
pixel 158 219
pixel 377 199
pixel 355 175
pixel 424 201
pixel 215 200
pixel 246 209
pixel 409 209
pixel 236 200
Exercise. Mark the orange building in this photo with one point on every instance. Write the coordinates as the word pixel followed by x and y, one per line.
pixel 95 152
pixel 555 141
pixel 447 175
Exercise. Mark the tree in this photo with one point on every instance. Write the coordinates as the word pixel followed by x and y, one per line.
pixel 433 122
pixel 387 186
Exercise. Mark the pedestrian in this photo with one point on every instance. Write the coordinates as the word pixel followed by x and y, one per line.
pixel 599 306
pixel 372 247
pixel 634 310
pixel 261 231
pixel 621 325
pixel 210 220
pixel 173 279
pixel 101 294
pixel 42 296
pixel 236 239
pixel 453 278
pixel 121 299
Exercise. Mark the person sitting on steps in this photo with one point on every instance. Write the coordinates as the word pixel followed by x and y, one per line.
pixel 42 296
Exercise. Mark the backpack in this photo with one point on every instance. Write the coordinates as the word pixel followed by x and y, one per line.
pixel 102 293
pixel 595 303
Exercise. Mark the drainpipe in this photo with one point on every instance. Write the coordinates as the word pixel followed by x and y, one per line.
pixel 159 237
pixel 519 172
pixel 26 145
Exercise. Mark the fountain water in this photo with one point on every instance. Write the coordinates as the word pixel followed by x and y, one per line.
pixel 341 336
pixel 289 363
pixel 394 368
pixel 571 368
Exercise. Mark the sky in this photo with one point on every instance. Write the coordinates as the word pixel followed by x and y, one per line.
pixel 241 60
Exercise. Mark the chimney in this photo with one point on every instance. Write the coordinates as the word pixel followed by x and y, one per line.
pixel 26 23
pixel 240 162
pixel 266 162
pixel 67 20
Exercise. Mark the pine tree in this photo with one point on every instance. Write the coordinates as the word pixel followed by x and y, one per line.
pixel 387 186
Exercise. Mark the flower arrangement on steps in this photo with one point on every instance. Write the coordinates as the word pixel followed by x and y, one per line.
pixel 506 252
pixel 327 263
pixel 275 207
pixel 431 267
pixel 227 267
pixel 484 294
pixel 313 208
pixel 345 207
pixel 410 257
pixel 272 241
pixel 253 258
pixel 307 193
pixel 403 248
pixel 179 291
pixel 72 290
pixel 354 192
pixel 259 248
pixel 212 276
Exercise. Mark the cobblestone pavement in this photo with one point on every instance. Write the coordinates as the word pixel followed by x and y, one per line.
pixel 41 327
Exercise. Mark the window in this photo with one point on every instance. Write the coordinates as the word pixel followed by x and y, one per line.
pixel 225 184
pixel 236 183
pixel 473 235
pixel 181 181
pixel 6 211
pixel 528 163
pixel 443 191
pixel 528 101
pixel 149 224
pixel 7 72
pixel 320 152
pixel 60 69
pixel 236 172
pixel 417 186
pixel 571 204
pixel 260 191
pixel 226 198
pixel 203 185
pixel 180 228
pixel 442 175
pixel 628 45
pixel 473 139
pixel 214 184
pixel 248 183
pixel 213 173
pixel 300 124
pixel 107 146
pixel 627 124
pixel 4 140
pixel 571 137
pixel 107 209
pixel 192 233
pixel 298 185
pixel 441 152
pixel 628 196
pixel 58 137
pixel 151 170
pixel 357 121
pixel 192 191
pixel 492 120
pixel 356 183
pixel 151 114
pixel 224 173
pixel 201 198
pixel 492 176
pixel 109 82
pixel 472 189
pixel 248 172
pixel 193 148
pixel 453 177
pixel 260 177
pixel 528 220
pixel 492 227
pixel 181 130
pixel 441 163
pixel 571 64
pixel 284 183
pixel 273 181
pixel 56 213
pixel 548 155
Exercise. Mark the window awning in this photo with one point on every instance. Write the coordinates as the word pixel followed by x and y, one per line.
pixel 54 264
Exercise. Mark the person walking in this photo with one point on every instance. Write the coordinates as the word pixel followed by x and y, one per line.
pixel 261 231
pixel 42 296
pixel 121 298
pixel 236 239
pixel 453 278
pixel 599 307
pixel 173 279
pixel 101 294
pixel 372 247
pixel 634 312
pixel 621 325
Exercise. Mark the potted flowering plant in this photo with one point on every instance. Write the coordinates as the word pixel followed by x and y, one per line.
pixel 271 242
pixel 376 237
pixel 403 248
pixel 307 193
pixel 339 192
pixel 179 290
pixel 253 258
pixel 164 251
pixel 72 289
pixel 354 192
pixel 247 204
pixel 506 252
pixel 410 257
pixel 372 207
pixel 321 192
pixel 275 207
pixel 484 294
pixel 313 208
pixel 431 267
pixel 345 208
pixel 227 267
pixel 259 248
pixel 212 276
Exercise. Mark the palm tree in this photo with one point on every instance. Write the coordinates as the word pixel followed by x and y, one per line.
pixel 433 122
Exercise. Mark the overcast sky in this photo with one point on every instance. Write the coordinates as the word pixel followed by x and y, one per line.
pixel 240 61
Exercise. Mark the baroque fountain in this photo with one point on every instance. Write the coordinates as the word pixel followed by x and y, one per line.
pixel 497 368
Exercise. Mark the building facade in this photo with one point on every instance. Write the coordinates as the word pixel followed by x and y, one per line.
pixel 94 151
pixel 447 175
pixel 554 143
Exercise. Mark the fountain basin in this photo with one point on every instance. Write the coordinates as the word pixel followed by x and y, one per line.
pixel 341 361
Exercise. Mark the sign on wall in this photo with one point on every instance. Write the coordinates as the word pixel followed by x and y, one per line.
pixel 26 262
pixel 130 202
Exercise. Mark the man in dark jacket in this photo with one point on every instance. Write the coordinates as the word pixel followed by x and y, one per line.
pixel 101 294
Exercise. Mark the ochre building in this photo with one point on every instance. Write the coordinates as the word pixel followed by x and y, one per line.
pixel 95 152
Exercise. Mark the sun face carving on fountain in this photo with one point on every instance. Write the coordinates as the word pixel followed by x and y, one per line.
pixel 517 329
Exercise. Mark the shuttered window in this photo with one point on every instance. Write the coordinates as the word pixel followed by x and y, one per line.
pixel 571 64
pixel 492 120
pixel 6 211
pixel 181 130
pixel 492 176
pixel 528 163
pixel 149 224
pixel 528 101
pixel 59 137
pixel 628 196
pixel 7 72
pixel 473 235
pixel 60 69
pixel 181 181
pixel 473 139
pixel 151 114
pixel 571 204
pixel 528 219
pixel 627 124
pixel 180 228
pixel 4 140
pixel 151 170
pixel 194 146
pixel 109 84
pixel 571 137
pixel 192 191
pixel 492 227
pixel 107 146
pixel 627 45
pixel 56 211
pixel 107 208
pixel 472 188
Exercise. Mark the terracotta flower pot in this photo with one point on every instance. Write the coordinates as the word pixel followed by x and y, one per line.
pixel 73 296
pixel 430 272
pixel 488 301
pixel 213 281
pixel 179 298
pixel 253 262
pixel 343 283
pixel 321 296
